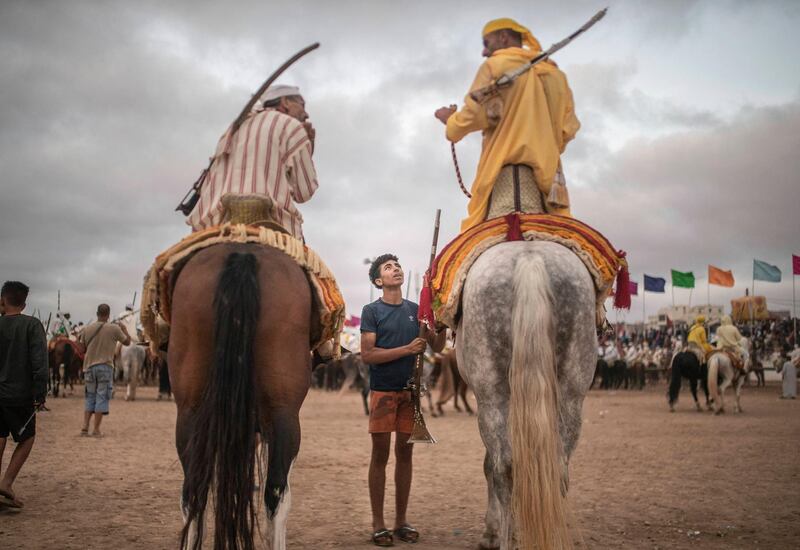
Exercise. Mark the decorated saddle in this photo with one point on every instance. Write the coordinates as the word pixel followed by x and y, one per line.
pixel 77 348
pixel 156 295
pixel 449 270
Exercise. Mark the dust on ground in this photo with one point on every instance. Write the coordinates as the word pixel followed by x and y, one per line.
pixel 640 478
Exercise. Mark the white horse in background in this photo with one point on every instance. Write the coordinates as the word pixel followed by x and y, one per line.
pixel 527 346
pixel 132 356
pixel 720 365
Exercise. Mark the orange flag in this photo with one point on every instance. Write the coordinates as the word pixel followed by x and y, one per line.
pixel 719 277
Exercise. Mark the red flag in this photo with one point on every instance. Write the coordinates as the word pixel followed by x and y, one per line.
pixel 795 264
pixel 352 321
pixel 634 288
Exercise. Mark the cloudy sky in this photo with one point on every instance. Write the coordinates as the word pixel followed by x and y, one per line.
pixel 689 152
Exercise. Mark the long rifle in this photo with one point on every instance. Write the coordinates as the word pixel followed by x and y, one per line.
pixel 420 433
pixel 190 200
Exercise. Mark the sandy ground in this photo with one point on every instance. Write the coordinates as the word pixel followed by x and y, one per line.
pixel 641 477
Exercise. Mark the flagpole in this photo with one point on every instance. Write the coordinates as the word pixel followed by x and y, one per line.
pixel 644 319
pixel 690 297
pixel 794 307
pixel 673 295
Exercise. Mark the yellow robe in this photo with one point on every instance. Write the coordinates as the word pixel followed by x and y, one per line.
pixel 537 122
pixel 697 334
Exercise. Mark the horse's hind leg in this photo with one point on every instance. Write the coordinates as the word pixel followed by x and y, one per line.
pixel 693 386
pixel 497 469
pixel 184 427
pixel 283 443
pixel 674 387
pixel 738 386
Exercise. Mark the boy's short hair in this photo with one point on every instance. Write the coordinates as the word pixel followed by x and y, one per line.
pixel 375 267
pixel 15 293
pixel 103 310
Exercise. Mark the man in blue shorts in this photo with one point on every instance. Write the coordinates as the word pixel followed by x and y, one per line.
pixel 23 382
pixel 389 342
pixel 100 339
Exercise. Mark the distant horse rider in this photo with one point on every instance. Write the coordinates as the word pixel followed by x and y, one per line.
pixel 524 134
pixel 730 339
pixel 698 339
pixel 269 156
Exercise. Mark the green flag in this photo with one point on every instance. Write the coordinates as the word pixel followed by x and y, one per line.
pixel 683 280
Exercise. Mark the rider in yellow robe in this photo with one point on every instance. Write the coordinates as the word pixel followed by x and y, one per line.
pixel 697 334
pixel 537 120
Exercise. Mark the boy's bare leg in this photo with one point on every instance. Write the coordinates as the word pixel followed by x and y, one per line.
pixel 402 477
pixel 2 450
pixel 381 443
pixel 18 458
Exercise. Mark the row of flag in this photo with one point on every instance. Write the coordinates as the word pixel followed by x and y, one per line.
pixel 762 271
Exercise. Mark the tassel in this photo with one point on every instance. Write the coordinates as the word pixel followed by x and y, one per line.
pixel 558 197
pixel 514 231
pixel 622 298
pixel 425 312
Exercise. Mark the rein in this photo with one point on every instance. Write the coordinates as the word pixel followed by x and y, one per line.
pixel 458 171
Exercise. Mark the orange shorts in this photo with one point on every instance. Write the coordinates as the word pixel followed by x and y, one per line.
pixel 390 411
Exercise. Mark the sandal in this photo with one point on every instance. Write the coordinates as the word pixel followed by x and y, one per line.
pixel 406 533
pixel 382 537
pixel 85 432
pixel 8 499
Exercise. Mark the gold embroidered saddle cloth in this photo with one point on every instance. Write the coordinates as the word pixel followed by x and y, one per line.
pixel 449 270
pixel 156 294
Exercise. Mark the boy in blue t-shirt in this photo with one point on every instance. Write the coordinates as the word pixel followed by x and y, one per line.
pixel 389 342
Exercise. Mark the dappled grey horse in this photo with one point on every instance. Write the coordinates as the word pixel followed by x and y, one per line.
pixel 527 346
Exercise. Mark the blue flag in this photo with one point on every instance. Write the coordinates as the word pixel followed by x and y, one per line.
pixel 654 284
pixel 762 271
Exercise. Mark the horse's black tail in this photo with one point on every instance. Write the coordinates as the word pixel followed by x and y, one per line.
pixel 221 452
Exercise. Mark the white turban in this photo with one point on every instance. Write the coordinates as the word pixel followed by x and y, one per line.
pixel 278 91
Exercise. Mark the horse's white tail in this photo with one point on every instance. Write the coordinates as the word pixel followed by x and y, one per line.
pixel 713 376
pixel 539 508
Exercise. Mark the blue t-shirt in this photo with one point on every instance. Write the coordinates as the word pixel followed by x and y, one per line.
pixel 394 326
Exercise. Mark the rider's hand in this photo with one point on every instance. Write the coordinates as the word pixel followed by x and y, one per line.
pixel 39 400
pixel 443 113
pixel 416 346
pixel 312 133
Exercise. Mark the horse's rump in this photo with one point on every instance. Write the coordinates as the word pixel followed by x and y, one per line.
pixel 329 310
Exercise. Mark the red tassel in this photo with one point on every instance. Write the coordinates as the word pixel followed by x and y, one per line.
pixel 514 231
pixel 425 312
pixel 622 298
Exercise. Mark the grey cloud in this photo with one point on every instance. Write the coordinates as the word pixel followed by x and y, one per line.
pixel 110 110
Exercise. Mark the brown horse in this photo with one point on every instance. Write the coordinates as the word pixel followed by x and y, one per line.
pixel 63 352
pixel 239 364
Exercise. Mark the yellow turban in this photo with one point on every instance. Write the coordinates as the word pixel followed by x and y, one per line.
pixel 700 319
pixel 508 23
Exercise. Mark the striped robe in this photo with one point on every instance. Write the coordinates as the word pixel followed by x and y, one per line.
pixel 269 155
